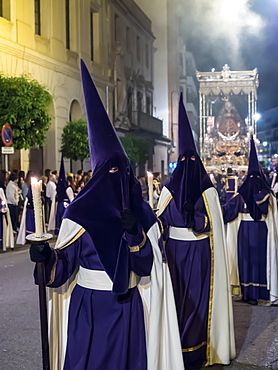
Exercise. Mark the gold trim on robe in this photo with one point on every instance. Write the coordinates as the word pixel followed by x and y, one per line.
pixel 136 248
pixel 194 348
pixel 211 276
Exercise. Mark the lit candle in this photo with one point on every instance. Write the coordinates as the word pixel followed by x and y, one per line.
pixel 150 188
pixel 37 201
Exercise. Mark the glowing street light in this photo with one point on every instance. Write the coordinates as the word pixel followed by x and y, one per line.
pixel 265 143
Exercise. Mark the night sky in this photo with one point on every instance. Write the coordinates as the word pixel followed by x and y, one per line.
pixel 218 36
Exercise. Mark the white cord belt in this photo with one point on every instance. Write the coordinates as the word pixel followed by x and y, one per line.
pixel 99 280
pixel 182 233
pixel 247 217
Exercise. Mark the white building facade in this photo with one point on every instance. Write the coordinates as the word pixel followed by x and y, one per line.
pixel 45 39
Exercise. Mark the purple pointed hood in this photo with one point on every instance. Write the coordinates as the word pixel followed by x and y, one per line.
pixel 62 183
pixel 190 179
pixel 104 142
pixel 254 184
pixel 113 188
pixel 186 139
pixel 254 166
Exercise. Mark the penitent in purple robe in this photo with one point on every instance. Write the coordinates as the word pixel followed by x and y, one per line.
pixel 251 245
pixel 30 217
pixel 190 268
pixel 99 325
pixel 195 248
pixel 105 330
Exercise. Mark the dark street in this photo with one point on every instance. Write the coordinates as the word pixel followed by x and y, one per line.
pixel 256 327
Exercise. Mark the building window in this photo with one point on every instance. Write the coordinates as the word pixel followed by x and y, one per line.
pixel 95 36
pixel 128 39
pixel 5 10
pixel 148 105
pixel 92 34
pixel 67 9
pixel 147 56
pixel 129 104
pixel 116 20
pixel 138 51
pixel 139 107
pixel 37 7
pixel 162 167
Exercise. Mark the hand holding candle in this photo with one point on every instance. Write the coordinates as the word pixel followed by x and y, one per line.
pixel 36 191
pixel 150 187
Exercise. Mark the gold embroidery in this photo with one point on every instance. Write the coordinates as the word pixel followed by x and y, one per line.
pixel 253 284
pixel 194 348
pixel 53 271
pixel 160 211
pixel 263 200
pixel 156 184
pixel 76 236
pixel 136 248
pixel 206 222
pixel 161 228
pixel 211 276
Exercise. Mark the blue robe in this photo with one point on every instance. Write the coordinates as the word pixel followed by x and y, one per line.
pixel 30 220
pixel 251 245
pixel 105 331
pixel 190 266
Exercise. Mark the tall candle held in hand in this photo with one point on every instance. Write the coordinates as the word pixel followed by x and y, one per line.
pixel 150 188
pixel 36 191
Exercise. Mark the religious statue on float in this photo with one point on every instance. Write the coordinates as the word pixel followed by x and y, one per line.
pixel 226 140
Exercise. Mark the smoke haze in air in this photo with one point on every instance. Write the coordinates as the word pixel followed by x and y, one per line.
pixel 222 26
pixel 241 33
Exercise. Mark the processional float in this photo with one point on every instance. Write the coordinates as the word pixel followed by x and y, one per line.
pixel 227 112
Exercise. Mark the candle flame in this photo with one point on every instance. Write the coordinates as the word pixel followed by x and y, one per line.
pixel 36 182
pixel 149 174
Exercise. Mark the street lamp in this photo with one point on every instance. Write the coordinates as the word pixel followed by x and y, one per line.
pixel 257 116
pixel 265 144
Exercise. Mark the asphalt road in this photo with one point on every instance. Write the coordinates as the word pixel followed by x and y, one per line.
pixel 256 327
pixel 19 315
